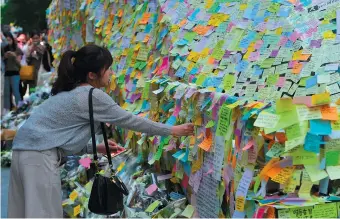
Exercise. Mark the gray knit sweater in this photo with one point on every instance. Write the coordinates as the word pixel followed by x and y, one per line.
pixel 62 121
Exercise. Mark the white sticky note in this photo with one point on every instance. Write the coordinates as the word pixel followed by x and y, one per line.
pixel 333 172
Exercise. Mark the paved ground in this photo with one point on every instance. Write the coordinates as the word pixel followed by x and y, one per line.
pixel 4 191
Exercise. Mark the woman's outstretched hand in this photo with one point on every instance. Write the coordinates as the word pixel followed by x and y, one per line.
pixel 182 130
pixel 114 148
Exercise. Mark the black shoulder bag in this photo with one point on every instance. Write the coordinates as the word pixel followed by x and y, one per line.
pixel 107 192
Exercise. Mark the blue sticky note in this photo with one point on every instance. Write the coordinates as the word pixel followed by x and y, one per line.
pixel 323 164
pixel 178 154
pixel 323 185
pixel 194 71
pixel 148 28
pixel 192 17
pixel 180 72
pixel 171 120
pixel 320 127
pixel 182 42
pixel 187 168
pixel 242 65
pixel 311 82
pixel 258 71
pixel 312 143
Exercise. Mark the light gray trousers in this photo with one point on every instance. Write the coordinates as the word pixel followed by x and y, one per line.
pixel 35 186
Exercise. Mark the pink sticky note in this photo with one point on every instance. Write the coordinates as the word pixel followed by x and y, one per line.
pixel 248 145
pixel 151 189
pixel 258 44
pixel 283 41
pixel 303 100
pixel 294 36
pixel 254 56
pixel 85 162
pixel 281 82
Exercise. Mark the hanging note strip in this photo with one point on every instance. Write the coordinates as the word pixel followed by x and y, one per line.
pixel 224 120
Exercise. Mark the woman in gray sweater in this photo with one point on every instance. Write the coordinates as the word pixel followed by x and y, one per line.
pixel 61 126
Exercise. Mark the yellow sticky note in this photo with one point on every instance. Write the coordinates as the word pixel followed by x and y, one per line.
pixel 188 211
pixel 305 189
pixel 73 195
pixel 76 210
pixel 321 99
pixel 239 205
pixel 284 175
pixel 284 104
pixel 335 125
pixel 153 206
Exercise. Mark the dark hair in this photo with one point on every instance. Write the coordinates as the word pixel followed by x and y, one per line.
pixel 90 58
pixel 14 45
pixel 34 32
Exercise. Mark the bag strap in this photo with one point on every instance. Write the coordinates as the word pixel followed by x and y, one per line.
pixel 93 135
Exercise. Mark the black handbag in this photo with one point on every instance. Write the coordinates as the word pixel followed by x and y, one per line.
pixel 107 192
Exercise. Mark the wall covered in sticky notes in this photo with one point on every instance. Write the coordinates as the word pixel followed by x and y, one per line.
pixel 259 79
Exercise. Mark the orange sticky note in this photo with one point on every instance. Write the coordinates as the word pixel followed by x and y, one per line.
pixel 329 113
pixel 183 22
pixel 274 171
pixel 297 68
pixel 207 142
pixel 73 195
pixel 201 30
pixel 211 60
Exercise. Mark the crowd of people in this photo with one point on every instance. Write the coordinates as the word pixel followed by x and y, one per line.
pixel 24 58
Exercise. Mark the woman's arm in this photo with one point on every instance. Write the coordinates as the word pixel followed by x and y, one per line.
pixel 106 110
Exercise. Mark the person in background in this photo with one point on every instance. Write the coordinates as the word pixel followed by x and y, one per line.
pixel 22 44
pixel 48 56
pixel 12 55
pixel 34 55
pixel 61 126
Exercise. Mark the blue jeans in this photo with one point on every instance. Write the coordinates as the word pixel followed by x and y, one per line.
pixel 11 82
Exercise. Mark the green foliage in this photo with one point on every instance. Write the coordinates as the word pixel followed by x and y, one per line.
pixel 28 14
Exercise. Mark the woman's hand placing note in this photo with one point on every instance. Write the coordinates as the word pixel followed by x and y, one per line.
pixel 183 130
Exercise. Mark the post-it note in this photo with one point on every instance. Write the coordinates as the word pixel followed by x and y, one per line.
pixel 188 211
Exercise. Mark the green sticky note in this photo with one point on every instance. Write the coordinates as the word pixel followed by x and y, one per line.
pixel 306 158
pixel 146 90
pixel 293 131
pixel 272 79
pixel 188 211
pixel 200 80
pixel 303 81
pixel 274 7
pixel 301 212
pixel 141 65
pixel 210 124
pixel 190 36
pixel 332 158
pixel 228 82
pixel 284 105
pixel 267 63
pixel 223 120
pixel 121 79
pixel 286 119
pixel 153 206
pixel 218 53
pixel 328 210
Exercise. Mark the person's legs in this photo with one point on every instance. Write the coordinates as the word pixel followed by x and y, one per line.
pixel 7 93
pixel 16 204
pixel 15 84
pixel 41 182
